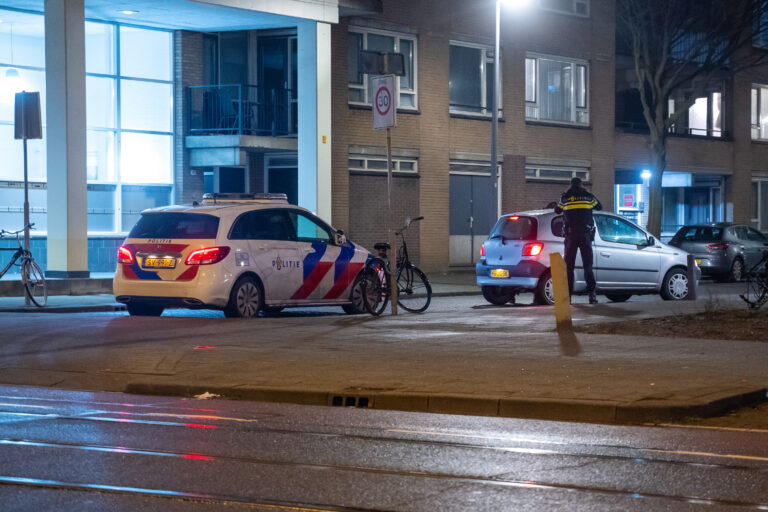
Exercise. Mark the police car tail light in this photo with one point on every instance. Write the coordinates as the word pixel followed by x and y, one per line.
pixel 533 249
pixel 207 256
pixel 124 255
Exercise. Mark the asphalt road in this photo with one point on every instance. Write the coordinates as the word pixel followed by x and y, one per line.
pixel 64 450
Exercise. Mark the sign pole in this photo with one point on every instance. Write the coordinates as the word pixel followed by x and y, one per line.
pixel 26 192
pixel 393 289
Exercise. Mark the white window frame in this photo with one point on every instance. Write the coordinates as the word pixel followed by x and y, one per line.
pixel 486 102
pixel 757 222
pixel 413 92
pixel 755 104
pixel 397 164
pixel 579 114
pixel 574 9
pixel 533 173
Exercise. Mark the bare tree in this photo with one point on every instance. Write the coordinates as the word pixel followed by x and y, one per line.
pixel 688 46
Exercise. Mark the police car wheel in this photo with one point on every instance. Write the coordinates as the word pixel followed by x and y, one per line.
pixel 357 307
pixel 245 299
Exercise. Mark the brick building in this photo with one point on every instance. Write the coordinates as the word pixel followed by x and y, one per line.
pixel 268 97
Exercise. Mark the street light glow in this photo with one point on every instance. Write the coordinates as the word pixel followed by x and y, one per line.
pixel 646 174
pixel 515 4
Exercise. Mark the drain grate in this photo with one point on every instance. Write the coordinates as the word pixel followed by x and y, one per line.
pixel 351 401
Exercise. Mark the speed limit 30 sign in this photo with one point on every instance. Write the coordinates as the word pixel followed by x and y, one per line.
pixel 384 107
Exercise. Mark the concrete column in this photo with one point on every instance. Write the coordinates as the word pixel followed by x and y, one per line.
pixel 66 138
pixel 314 119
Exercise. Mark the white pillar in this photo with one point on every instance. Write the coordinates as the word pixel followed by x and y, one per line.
pixel 314 119
pixel 66 138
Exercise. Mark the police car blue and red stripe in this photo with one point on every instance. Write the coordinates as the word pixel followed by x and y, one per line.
pixel 242 253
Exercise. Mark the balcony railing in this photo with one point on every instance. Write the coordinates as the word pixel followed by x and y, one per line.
pixel 241 110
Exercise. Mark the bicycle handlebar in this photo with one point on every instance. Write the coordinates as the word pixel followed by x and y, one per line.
pixel 408 222
pixel 4 232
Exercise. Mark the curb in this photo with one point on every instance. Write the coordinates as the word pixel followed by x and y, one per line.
pixel 529 408
pixel 99 308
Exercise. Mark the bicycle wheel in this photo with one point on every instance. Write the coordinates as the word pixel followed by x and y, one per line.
pixel 414 290
pixel 375 286
pixel 34 282
pixel 757 289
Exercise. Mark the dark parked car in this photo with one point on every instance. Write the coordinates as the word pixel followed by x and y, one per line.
pixel 723 251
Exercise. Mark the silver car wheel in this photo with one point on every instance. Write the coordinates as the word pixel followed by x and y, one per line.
pixel 248 300
pixel 737 269
pixel 678 285
pixel 549 291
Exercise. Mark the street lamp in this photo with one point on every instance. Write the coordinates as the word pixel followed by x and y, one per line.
pixel 516 4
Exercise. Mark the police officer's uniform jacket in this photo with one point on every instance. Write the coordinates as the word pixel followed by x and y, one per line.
pixel 576 205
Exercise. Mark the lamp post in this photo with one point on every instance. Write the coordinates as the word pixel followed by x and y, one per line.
pixel 517 4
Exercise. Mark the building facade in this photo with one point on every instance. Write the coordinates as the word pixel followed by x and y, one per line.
pixel 215 97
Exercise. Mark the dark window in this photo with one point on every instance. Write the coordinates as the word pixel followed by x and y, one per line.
pixel 558 226
pixel 616 230
pixel 263 225
pixel 755 235
pixel 175 225
pixel 741 232
pixel 698 234
pixel 512 227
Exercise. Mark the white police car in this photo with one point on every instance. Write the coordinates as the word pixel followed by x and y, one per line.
pixel 242 253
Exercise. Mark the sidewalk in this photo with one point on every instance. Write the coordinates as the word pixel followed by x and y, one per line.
pixel 464 356
pixel 95 294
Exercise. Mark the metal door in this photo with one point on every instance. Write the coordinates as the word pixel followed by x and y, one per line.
pixel 470 222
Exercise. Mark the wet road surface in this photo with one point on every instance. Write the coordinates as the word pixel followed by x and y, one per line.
pixel 63 450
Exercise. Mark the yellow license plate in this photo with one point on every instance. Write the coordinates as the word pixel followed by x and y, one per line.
pixel 499 272
pixel 698 261
pixel 160 262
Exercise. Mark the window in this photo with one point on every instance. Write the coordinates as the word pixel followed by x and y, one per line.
pixel 704 117
pixel 515 228
pixel 577 7
pixel 759 117
pixel 471 79
pixel 612 229
pixel 552 173
pixel 262 225
pixel 760 204
pixel 176 225
pixel 374 40
pixel 362 163
pixel 309 229
pixel 556 90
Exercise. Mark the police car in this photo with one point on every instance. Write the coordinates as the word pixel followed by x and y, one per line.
pixel 242 253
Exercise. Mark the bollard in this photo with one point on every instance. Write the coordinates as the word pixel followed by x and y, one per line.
pixel 560 291
pixel 691 273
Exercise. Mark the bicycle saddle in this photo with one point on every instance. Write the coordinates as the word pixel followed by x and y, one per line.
pixel 381 246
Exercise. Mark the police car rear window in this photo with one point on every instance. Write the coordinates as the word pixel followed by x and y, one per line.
pixel 514 227
pixel 175 225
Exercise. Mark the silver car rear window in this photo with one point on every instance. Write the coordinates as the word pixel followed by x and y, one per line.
pixel 699 234
pixel 515 227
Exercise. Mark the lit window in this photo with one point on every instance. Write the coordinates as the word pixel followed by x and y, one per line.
pixel 555 173
pixel 556 90
pixel 759 112
pixel 359 84
pixel 575 7
pixel 703 118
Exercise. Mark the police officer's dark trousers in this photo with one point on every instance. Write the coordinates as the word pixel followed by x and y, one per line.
pixel 582 243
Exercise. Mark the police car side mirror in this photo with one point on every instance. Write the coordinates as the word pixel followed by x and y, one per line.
pixel 341 238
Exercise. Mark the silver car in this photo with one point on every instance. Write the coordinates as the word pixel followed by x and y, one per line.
pixel 627 259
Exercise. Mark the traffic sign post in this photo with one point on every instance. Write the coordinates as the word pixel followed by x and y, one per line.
pixel 384 117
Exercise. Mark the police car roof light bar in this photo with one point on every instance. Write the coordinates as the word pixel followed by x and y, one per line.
pixel 229 197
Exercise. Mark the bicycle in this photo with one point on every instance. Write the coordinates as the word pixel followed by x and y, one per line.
pixel 757 284
pixel 414 290
pixel 31 275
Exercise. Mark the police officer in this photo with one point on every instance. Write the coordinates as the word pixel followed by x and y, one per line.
pixel 576 205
